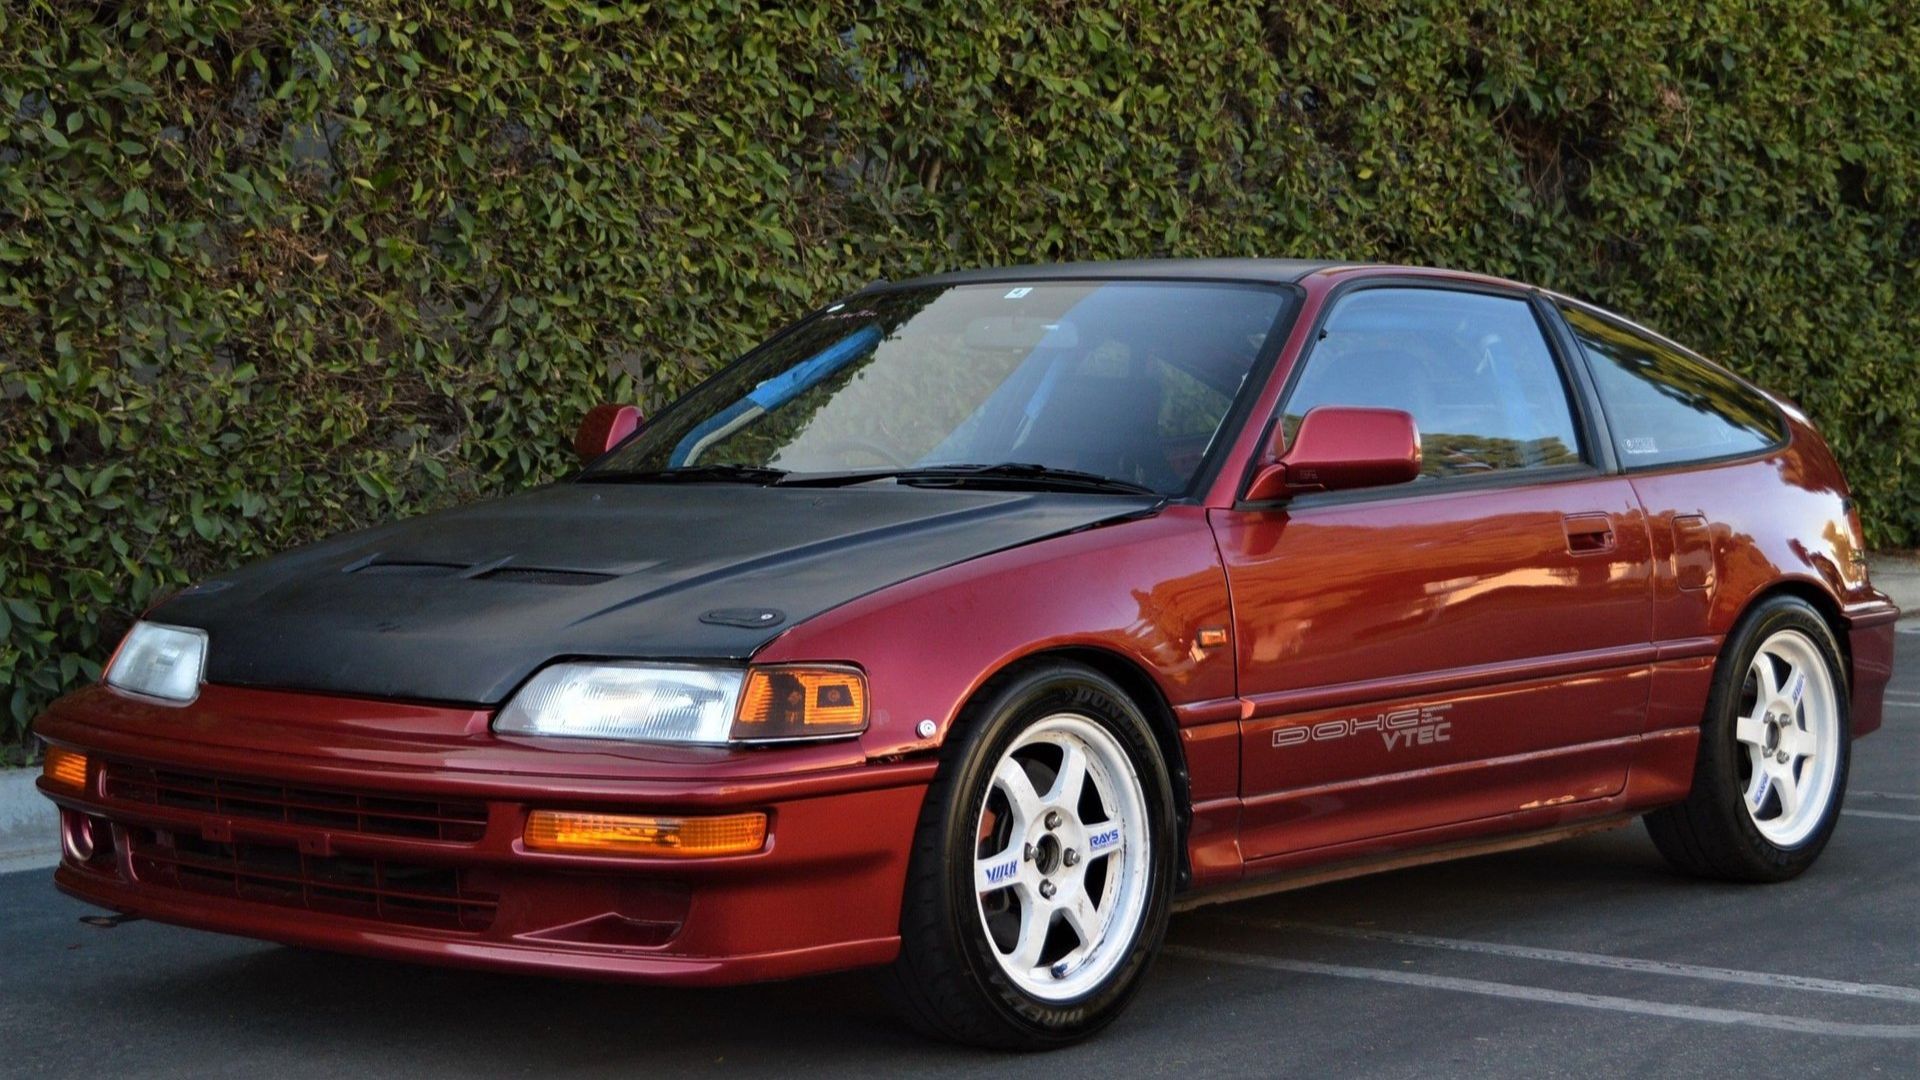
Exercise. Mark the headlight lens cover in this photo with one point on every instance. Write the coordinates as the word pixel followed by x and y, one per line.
pixel 160 661
pixel 674 703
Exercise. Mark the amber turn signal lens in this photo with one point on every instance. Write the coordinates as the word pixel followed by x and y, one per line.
pixel 65 768
pixel 629 834
pixel 801 703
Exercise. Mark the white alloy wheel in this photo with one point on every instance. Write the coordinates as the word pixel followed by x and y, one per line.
pixel 1063 857
pixel 1788 728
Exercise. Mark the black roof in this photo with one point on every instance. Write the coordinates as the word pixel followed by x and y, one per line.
pixel 1277 271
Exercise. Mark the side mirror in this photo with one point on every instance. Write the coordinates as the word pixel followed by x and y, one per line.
pixel 604 427
pixel 1340 449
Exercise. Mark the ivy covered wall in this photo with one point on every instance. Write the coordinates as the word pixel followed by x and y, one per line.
pixel 271 270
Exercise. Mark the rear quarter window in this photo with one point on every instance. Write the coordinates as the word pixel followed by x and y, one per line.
pixel 1666 407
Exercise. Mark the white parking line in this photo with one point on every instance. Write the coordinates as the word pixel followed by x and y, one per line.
pixel 1800 1025
pixel 1905 994
pixel 1880 814
pixel 1886 795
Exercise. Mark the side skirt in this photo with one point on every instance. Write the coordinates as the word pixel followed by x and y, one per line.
pixel 1301 878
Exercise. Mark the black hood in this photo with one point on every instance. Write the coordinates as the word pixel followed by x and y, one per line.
pixel 462 606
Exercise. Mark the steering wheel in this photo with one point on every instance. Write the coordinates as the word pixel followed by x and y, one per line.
pixel 838 447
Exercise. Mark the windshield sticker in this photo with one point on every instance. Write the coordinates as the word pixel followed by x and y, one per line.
pixel 1641 445
pixel 1015 294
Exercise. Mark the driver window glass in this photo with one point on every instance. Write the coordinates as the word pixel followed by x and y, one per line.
pixel 1473 370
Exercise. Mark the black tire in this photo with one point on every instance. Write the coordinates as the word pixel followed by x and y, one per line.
pixel 1711 835
pixel 947 983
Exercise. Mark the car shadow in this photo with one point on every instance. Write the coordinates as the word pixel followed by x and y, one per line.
pixel 514 1022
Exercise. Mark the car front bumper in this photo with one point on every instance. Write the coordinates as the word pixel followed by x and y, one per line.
pixel 396 830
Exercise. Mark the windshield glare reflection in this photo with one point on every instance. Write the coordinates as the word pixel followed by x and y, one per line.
pixel 1125 380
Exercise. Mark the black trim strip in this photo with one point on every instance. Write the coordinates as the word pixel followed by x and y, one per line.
pixel 1422 489
pixel 1574 361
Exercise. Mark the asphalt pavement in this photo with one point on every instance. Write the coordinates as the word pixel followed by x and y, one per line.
pixel 1580 959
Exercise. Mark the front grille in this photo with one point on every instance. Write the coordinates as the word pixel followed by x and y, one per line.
pixel 379 889
pixel 339 811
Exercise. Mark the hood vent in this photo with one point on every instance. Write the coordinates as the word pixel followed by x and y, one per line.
pixel 411 569
pixel 527 575
pixel 523 575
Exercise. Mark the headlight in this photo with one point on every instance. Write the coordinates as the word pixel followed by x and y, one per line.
pixel 160 661
pixel 685 704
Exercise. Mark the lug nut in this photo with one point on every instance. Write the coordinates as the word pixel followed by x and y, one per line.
pixel 1053 819
pixel 1071 857
pixel 1027 854
pixel 1781 757
pixel 1047 889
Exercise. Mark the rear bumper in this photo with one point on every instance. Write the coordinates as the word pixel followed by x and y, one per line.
pixel 1870 644
pixel 241 815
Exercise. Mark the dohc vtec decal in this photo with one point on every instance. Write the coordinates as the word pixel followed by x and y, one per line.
pixel 1420 725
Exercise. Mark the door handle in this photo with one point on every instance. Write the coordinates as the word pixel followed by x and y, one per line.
pixel 1589 534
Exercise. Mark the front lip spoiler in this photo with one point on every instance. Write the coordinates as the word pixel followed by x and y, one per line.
pixel 320 931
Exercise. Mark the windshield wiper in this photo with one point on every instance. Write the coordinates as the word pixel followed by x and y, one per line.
pixel 681 474
pixel 1004 474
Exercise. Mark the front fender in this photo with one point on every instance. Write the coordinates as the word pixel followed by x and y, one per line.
pixel 1141 589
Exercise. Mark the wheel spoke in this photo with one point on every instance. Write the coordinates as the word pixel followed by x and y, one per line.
pixel 1787 787
pixel 1104 839
pixel 1769 679
pixel 1752 730
pixel 1795 687
pixel 998 871
pixel 1799 743
pixel 1072 777
pixel 1035 921
pixel 1012 780
pixel 1758 789
pixel 1083 918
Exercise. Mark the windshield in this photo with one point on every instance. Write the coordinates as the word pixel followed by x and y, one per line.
pixel 1125 380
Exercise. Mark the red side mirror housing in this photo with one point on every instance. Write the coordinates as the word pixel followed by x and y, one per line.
pixel 604 427
pixel 1339 448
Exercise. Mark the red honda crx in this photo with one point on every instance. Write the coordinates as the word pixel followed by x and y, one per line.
pixel 972 624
